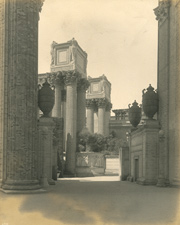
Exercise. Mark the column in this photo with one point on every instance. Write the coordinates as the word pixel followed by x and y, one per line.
pixel 90 115
pixel 18 97
pixel 56 112
pixel 101 115
pixel 107 118
pixel 83 84
pixel 71 122
pixel 162 14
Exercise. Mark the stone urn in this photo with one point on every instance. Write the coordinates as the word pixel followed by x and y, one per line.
pixel 46 99
pixel 150 102
pixel 134 114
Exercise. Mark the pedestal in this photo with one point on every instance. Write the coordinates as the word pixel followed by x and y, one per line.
pixel 46 126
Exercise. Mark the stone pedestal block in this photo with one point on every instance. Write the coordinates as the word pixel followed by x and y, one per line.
pixel 46 126
pixel 144 153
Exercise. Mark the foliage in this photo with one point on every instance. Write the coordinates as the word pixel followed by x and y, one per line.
pixel 97 142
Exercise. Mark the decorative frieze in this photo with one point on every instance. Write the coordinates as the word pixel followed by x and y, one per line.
pixel 162 11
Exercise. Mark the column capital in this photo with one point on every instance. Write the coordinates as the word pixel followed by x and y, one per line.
pixel 108 106
pixel 101 102
pixel 83 84
pixel 63 77
pixel 56 78
pixel 162 11
pixel 90 103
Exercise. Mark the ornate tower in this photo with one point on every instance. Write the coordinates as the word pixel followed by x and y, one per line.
pixel 98 103
pixel 18 87
pixel 68 75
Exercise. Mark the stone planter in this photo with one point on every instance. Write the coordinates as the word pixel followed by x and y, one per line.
pixel 150 102
pixel 134 114
pixel 46 99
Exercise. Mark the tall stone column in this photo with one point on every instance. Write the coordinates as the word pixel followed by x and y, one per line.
pixel 71 122
pixel 107 118
pixel 101 115
pixel 83 84
pixel 18 97
pixel 162 14
pixel 56 112
pixel 90 115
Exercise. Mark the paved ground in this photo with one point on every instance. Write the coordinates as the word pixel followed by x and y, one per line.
pixel 98 200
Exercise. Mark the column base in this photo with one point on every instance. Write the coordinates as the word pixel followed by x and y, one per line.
pixel 21 185
pixel 144 181
pixel 51 182
pixel 162 182
pixel 44 182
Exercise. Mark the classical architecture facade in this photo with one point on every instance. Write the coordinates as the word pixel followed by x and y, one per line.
pixel 154 148
pixel 25 143
pixel 98 104
pixel 68 76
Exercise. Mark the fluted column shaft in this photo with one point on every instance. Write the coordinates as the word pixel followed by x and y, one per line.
pixel 101 115
pixel 56 112
pixel 101 120
pixel 71 125
pixel 107 118
pixel 81 103
pixel 90 115
pixel 18 85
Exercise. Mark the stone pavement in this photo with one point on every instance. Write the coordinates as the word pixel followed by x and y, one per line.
pixel 98 200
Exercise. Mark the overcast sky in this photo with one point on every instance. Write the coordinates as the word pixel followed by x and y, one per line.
pixel 119 36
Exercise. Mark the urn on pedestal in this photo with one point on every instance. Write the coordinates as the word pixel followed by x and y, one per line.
pixel 150 102
pixel 46 98
pixel 134 114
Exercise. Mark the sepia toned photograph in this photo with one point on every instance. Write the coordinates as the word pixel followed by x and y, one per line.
pixel 89 112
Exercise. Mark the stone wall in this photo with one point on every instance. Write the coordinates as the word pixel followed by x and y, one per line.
pixel 90 164
pixel 144 153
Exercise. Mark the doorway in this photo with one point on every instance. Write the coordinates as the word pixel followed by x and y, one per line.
pixel 136 169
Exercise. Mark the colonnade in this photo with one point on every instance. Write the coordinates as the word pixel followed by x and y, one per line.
pixel 71 108
pixel 102 107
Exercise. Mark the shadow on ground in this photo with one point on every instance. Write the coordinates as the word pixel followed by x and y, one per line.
pixel 86 202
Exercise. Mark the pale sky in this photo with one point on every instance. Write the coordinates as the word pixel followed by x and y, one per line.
pixel 119 36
